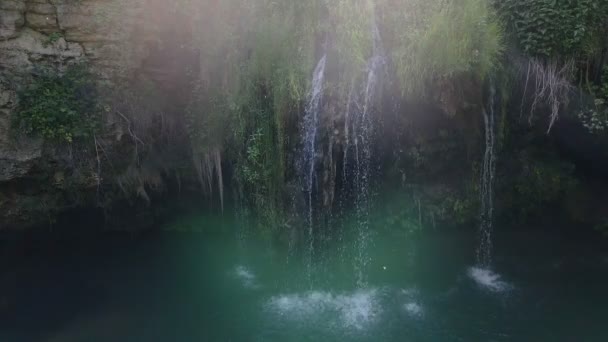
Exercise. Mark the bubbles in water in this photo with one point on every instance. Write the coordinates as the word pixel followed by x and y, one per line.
pixel 409 291
pixel 414 309
pixel 246 276
pixel 488 279
pixel 358 308
pixel 354 310
pixel 412 306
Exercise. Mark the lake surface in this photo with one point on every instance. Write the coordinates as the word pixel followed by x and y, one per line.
pixel 220 286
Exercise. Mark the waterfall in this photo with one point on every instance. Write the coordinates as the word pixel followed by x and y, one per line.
pixel 484 251
pixel 309 152
pixel 362 137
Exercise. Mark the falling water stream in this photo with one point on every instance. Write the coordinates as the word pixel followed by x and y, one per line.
pixel 170 285
pixel 484 251
pixel 363 130
pixel 309 136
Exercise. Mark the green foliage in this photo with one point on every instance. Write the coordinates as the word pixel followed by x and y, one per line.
pixel 256 60
pixel 595 116
pixel 547 28
pixel 353 22
pixel 60 107
pixel 436 39
pixel 52 38
pixel 255 68
pixel 253 170
pixel 256 173
pixel 562 38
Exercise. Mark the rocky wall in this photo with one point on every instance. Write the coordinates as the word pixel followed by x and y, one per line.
pixel 42 35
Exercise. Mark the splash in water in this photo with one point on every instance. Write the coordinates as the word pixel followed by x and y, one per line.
pixel 413 309
pixel 246 276
pixel 488 279
pixel 354 310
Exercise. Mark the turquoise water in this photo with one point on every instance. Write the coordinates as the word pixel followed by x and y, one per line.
pixel 219 286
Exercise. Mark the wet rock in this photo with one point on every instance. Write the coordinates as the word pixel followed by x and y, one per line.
pixel 16 160
pixel 42 22
pixel 42 16
pixel 12 18
pixel 32 47
pixel 17 155
pixel 41 35
pixel 91 21
pixel 13 5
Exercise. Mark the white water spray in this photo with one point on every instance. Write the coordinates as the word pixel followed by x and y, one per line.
pixel 488 279
pixel 355 310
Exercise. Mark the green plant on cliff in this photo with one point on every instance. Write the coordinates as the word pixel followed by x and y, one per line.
pixel 60 107
pixel 555 28
pixel 431 40
pixel 594 116
pixel 253 76
pixel 564 43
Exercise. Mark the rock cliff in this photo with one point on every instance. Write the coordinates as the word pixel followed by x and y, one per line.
pixel 39 35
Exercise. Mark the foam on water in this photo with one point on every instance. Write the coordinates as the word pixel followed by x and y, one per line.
pixel 246 276
pixel 414 309
pixel 488 279
pixel 409 291
pixel 354 310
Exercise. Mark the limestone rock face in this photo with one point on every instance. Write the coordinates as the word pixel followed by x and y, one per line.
pixel 32 49
pixel 40 35
pixel 12 18
pixel 16 160
pixel 17 154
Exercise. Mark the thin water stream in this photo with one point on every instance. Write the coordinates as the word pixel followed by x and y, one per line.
pixel 484 251
pixel 360 124
pixel 310 126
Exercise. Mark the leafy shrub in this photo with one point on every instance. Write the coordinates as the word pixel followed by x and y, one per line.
pixel 435 39
pixel 595 116
pixel 60 107
pixel 547 28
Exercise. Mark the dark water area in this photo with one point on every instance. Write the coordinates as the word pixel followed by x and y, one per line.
pixel 217 285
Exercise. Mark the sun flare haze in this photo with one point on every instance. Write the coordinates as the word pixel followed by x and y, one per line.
pixel 303 170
